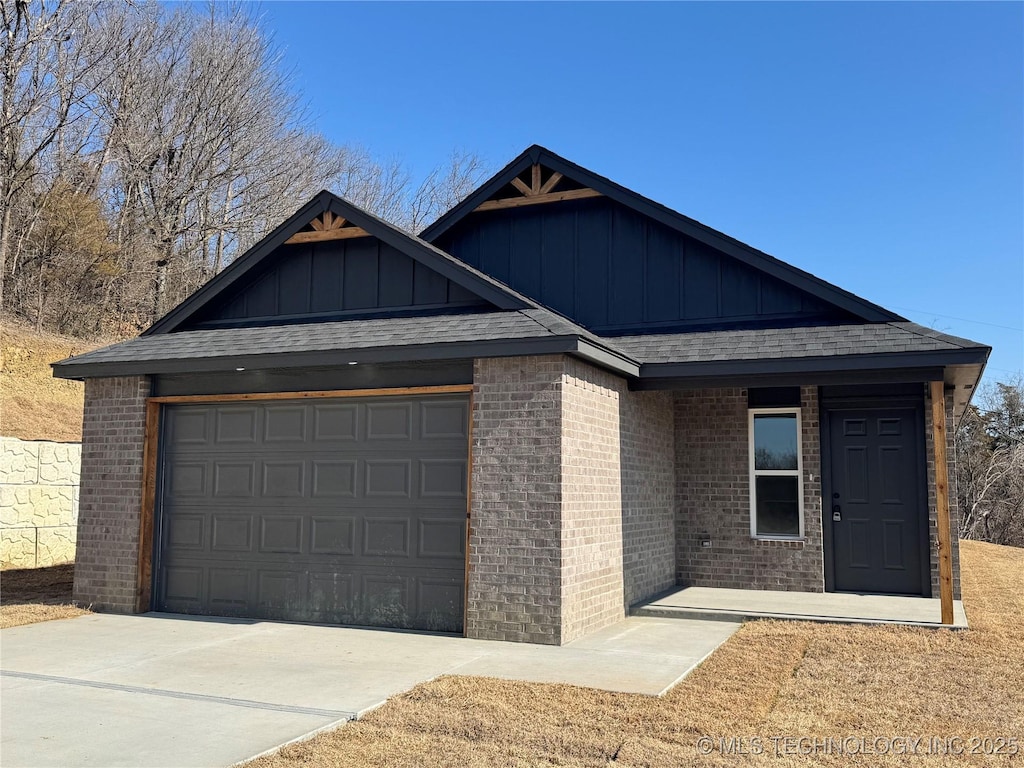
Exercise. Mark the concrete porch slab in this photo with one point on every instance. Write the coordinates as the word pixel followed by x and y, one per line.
pixel 711 603
pixel 160 689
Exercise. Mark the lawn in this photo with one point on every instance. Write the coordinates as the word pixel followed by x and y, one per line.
pixel 36 594
pixel 771 679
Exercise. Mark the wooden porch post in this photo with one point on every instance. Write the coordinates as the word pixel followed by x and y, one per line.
pixel 942 500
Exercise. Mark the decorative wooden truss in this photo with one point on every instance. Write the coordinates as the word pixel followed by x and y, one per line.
pixel 535 192
pixel 327 227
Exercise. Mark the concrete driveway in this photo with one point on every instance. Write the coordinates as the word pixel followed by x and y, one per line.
pixel 163 690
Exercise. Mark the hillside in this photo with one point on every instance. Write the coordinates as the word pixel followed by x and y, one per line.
pixel 33 404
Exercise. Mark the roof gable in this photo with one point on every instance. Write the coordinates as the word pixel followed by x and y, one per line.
pixel 540 176
pixel 332 260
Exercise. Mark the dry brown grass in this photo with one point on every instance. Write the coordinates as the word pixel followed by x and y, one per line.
pixel 33 404
pixel 36 594
pixel 770 679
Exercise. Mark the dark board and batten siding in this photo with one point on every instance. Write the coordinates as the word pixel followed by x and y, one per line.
pixel 613 269
pixel 337 279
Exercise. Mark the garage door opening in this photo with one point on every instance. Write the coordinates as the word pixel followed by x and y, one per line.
pixel 330 510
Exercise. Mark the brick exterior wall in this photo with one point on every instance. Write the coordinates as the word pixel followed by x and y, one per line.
pixel 110 495
pixel 648 494
pixel 954 510
pixel 591 512
pixel 572 500
pixel 713 498
pixel 515 561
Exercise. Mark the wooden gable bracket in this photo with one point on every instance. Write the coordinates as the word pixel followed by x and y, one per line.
pixel 327 227
pixel 536 192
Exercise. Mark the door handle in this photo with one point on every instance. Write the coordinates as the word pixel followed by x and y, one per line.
pixel 837 514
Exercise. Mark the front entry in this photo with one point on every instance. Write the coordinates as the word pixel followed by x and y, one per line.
pixel 876 510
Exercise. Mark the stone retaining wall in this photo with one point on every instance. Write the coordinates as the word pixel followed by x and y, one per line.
pixel 38 502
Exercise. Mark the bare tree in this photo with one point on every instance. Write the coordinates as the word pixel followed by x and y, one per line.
pixel 137 166
pixel 48 49
pixel 990 466
pixel 444 188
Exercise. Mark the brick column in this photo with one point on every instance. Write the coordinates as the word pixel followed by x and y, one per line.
pixel 545 562
pixel 514 590
pixel 110 495
pixel 592 578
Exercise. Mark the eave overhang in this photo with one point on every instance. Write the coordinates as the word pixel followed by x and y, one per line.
pixel 542 345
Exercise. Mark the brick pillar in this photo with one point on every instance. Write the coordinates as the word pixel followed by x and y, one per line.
pixel 514 590
pixel 545 562
pixel 591 519
pixel 110 495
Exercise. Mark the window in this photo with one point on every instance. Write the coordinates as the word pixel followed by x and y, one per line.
pixel 776 487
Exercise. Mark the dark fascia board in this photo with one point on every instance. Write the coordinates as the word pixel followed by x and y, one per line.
pixel 808 365
pixel 814 378
pixel 542 345
pixel 607 358
pixel 486 288
pixel 744 253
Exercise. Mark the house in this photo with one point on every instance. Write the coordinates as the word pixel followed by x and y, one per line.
pixel 558 401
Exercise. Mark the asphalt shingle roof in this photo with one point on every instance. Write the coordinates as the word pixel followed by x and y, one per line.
pixel 511 325
pixel 336 336
pixel 787 343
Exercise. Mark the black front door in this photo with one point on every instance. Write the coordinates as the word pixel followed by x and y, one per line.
pixel 877 509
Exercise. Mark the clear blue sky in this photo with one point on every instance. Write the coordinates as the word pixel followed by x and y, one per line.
pixel 879 146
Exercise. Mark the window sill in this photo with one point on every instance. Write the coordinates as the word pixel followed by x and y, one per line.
pixel 793 541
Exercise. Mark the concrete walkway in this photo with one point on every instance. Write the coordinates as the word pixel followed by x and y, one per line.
pixel 161 690
pixel 709 603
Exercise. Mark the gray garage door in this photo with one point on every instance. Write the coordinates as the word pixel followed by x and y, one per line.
pixel 345 511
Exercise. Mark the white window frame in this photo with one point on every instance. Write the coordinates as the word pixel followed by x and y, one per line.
pixel 755 473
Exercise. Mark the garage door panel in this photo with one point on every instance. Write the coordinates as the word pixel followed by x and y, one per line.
pixel 186 531
pixel 236 425
pixel 389 421
pixel 439 602
pixel 231 533
pixel 441 539
pixel 229 588
pixel 280 593
pixel 284 423
pixel 330 597
pixel 187 479
pixel 332 535
pixel 281 534
pixel 235 479
pixel 444 420
pixel 183 588
pixel 188 427
pixel 335 423
pixel 283 479
pixel 443 478
pixel 335 478
pixel 388 477
pixel 327 511
pixel 386 537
